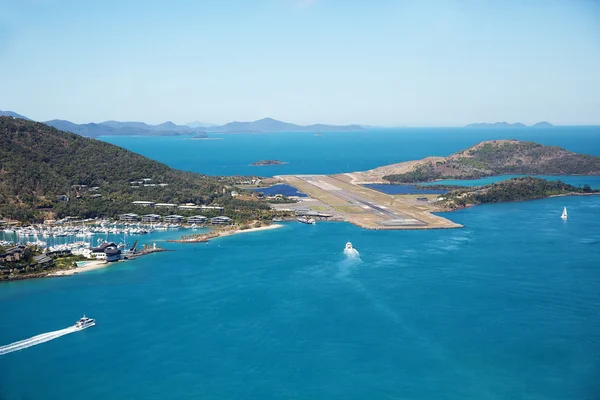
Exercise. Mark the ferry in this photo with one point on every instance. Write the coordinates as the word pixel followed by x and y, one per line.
pixel 306 220
pixel 349 246
pixel 85 322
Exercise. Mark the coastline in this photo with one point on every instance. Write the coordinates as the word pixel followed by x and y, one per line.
pixel 222 233
pixel 89 266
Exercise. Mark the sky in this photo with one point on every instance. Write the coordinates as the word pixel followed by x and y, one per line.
pixel 375 62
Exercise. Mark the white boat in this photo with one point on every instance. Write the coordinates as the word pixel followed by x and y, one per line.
pixel 85 322
pixel 306 220
pixel 564 214
pixel 349 246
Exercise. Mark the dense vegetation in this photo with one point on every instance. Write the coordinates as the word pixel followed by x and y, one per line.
pixel 502 157
pixel 39 164
pixel 516 189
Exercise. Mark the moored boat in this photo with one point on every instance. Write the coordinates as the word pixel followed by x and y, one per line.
pixel 306 220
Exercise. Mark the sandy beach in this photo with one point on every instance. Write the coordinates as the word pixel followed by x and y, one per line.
pixel 89 266
pixel 223 233
pixel 260 228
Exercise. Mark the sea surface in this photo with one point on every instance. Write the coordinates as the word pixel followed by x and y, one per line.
pixel 578 181
pixel 337 152
pixel 505 308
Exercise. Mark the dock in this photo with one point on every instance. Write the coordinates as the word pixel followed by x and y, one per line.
pixel 364 207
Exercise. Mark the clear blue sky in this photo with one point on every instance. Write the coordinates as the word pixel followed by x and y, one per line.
pixel 379 62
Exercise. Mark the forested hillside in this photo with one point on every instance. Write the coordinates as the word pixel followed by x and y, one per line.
pixel 516 189
pixel 38 164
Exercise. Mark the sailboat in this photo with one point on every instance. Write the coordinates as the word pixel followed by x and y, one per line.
pixel 564 214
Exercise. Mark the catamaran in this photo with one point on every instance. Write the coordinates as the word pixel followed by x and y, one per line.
pixel 564 214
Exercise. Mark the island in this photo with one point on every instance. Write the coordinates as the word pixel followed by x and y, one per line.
pixel 542 124
pixel 346 198
pixel 492 157
pixel 263 163
pixel 515 189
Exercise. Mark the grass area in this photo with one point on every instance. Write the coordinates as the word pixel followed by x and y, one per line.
pixel 68 262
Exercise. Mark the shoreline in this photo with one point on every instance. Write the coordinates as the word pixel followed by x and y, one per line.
pixel 200 238
pixel 89 266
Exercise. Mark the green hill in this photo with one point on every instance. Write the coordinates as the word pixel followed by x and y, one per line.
pixel 39 163
pixel 498 157
pixel 516 189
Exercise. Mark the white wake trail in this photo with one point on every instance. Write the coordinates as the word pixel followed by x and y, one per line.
pixel 35 340
pixel 351 253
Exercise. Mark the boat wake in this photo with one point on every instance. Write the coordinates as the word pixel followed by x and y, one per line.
pixel 35 340
pixel 352 253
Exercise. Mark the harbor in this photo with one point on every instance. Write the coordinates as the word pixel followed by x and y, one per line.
pixel 40 251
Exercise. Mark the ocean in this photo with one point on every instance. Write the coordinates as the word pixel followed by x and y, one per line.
pixel 505 308
pixel 336 152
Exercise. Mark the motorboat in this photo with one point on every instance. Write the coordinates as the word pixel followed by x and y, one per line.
pixel 349 246
pixel 85 322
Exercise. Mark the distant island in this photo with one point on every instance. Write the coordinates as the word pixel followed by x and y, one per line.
pixel 272 125
pixel 492 157
pixel 118 128
pixel 263 163
pixel 542 124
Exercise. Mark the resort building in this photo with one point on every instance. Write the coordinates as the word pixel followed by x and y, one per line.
pixel 197 219
pixel 43 261
pixel 128 217
pixel 13 254
pixel 173 218
pixel 165 205
pixel 106 251
pixel 143 203
pixel 220 220
pixel 188 207
pixel 150 218
pixel 211 208
pixel 112 253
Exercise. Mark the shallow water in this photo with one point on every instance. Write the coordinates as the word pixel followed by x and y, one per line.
pixel 505 308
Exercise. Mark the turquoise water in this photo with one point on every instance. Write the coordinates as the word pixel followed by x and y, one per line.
pixel 282 189
pixel 593 181
pixel 338 151
pixel 506 308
